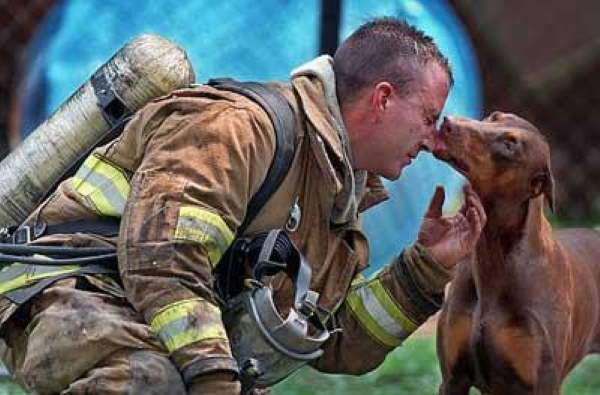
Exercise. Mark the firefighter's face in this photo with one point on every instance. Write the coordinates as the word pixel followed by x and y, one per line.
pixel 403 122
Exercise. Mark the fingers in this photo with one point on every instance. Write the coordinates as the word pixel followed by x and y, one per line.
pixel 476 223
pixel 437 201
pixel 472 201
pixel 475 217
pixel 467 189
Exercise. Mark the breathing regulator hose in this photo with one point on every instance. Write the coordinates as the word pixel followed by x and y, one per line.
pixel 52 255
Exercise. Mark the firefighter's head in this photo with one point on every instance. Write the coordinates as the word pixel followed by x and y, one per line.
pixel 392 82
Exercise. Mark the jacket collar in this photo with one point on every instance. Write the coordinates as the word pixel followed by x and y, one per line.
pixel 315 84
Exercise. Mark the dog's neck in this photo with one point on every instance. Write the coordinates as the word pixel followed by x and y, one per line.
pixel 505 220
pixel 511 224
pixel 509 231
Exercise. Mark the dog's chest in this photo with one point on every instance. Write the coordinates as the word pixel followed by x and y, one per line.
pixel 501 345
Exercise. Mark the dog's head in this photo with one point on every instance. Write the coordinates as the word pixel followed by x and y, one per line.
pixel 503 156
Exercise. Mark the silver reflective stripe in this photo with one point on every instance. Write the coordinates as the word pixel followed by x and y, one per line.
pixel 213 232
pixel 19 269
pixel 13 271
pixel 103 185
pixel 19 275
pixel 379 313
pixel 376 310
pixel 199 225
pixel 188 321
pixel 109 190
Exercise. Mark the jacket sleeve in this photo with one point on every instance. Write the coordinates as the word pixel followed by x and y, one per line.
pixel 199 167
pixel 379 313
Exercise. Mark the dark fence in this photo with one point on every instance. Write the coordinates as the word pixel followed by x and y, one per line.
pixel 542 60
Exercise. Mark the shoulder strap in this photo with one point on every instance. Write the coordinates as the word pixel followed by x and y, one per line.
pixel 283 119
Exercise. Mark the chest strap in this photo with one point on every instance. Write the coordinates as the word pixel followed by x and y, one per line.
pixel 103 226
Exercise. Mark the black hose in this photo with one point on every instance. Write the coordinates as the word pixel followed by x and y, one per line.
pixel 22 249
pixel 108 258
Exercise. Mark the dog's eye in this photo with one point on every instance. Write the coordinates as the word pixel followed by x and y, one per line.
pixel 510 143
pixel 507 146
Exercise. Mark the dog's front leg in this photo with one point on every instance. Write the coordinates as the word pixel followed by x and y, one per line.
pixel 453 336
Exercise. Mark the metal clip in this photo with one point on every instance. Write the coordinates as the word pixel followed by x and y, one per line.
pixel 250 367
pixel 309 305
pixel 293 222
pixel 4 234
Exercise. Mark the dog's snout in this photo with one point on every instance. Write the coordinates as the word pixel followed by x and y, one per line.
pixel 446 125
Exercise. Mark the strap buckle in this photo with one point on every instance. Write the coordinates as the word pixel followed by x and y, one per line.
pixel 23 235
pixel 26 234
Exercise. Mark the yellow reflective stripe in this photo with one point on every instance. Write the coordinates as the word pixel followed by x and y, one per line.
pixel 95 197
pixel 104 185
pixel 391 307
pixel 29 274
pixel 380 314
pixel 178 324
pixel 202 226
pixel 368 323
pixel 194 335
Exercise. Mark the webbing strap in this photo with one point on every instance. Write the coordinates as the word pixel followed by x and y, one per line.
pixel 278 109
pixel 103 226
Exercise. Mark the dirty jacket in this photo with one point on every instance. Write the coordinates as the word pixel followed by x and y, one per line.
pixel 180 177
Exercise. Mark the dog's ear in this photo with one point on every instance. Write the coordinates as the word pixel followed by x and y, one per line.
pixel 543 182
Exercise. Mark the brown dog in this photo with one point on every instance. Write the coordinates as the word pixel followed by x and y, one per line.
pixel 525 309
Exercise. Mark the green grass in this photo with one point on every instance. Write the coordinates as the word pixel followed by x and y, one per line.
pixel 8 387
pixel 411 369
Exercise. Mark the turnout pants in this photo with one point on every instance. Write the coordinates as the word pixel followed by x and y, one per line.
pixel 75 338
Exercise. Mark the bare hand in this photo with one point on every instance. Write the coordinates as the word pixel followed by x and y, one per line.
pixel 451 239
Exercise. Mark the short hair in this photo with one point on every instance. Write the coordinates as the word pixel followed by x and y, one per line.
pixel 383 49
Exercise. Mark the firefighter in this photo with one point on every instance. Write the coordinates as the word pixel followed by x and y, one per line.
pixel 179 179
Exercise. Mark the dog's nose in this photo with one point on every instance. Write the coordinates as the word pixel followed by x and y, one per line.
pixel 445 126
pixel 438 146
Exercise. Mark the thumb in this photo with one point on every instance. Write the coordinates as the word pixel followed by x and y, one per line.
pixel 437 201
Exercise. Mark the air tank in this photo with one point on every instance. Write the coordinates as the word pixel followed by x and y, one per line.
pixel 147 67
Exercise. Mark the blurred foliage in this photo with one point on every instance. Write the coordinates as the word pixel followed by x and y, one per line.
pixel 559 221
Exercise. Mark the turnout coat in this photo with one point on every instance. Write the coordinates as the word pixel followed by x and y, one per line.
pixel 180 177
